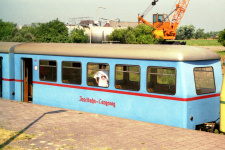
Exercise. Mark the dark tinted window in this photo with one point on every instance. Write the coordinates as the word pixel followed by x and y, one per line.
pixel 48 70
pixel 71 72
pixel 204 80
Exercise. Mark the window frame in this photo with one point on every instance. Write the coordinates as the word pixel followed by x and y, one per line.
pixel 71 67
pixel 162 67
pixel 94 63
pixel 128 65
pixel 213 78
pixel 47 65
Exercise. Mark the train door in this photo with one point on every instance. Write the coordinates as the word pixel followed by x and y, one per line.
pixel 0 77
pixel 27 80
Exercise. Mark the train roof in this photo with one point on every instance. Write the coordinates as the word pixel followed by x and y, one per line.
pixel 7 47
pixel 126 51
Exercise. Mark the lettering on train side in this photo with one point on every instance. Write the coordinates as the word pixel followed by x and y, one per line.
pixel 100 101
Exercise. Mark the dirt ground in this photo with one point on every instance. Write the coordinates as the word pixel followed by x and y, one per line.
pixel 214 48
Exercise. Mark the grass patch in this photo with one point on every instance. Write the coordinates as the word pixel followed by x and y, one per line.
pixel 6 135
pixel 222 56
pixel 202 42
pixel 221 53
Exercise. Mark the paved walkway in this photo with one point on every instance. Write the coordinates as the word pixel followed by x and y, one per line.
pixel 57 128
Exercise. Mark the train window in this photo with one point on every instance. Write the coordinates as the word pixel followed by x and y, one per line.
pixel 98 74
pixel 127 77
pixel 165 18
pixel 154 18
pixel 204 80
pixel 71 72
pixel 160 18
pixel 161 80
pixel 48 70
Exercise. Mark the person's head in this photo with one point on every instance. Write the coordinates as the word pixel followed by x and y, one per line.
pixel 102 66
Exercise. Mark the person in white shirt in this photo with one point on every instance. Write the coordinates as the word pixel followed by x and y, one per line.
pixel 101 77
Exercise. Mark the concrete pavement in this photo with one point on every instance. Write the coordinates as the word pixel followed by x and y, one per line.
pixel 57 128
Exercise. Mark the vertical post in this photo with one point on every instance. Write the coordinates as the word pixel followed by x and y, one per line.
pixel 103 37
pixel 21 77
pixel 90 26
pixel 222 106
pixel 97 12
pixel 0 76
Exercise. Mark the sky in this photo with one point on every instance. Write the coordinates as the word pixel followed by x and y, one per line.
pixel 204 14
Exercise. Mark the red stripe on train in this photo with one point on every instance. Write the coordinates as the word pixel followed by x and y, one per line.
pixel 130 93
pixel 4 79
pixel 18 80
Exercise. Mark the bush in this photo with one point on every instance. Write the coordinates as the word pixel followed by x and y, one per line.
pixel 78 36
pixel 118 35
pixel 20 36
pixel 142 34
pixel 185 32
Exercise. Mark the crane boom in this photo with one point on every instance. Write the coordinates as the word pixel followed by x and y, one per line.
pixel 179 13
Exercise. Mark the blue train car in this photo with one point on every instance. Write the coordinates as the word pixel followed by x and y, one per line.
pixel 171 85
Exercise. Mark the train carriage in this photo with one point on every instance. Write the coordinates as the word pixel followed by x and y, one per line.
pixel 165 84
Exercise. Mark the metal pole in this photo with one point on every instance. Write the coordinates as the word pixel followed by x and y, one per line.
pixel 97 12
pixel 90 26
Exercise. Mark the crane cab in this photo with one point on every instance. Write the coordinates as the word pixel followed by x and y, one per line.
pixel 163 29
pixel 161 21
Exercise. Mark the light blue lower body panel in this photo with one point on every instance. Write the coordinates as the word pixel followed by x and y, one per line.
pixel 167 112
pixel 203 111
pixel 8 90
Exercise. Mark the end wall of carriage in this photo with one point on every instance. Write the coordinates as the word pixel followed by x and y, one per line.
pixel 202 107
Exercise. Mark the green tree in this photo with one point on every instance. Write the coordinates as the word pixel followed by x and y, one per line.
pixel 221 38
pixel 214 34
pixel 199 33
pixel 7 30
pixel 142 34
pixel 53 31
pixel 185 32
pixel 78 36
pixel 9 33
pixel 22 35
pixel 118 35
pixel 180 33
pixel 206 35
